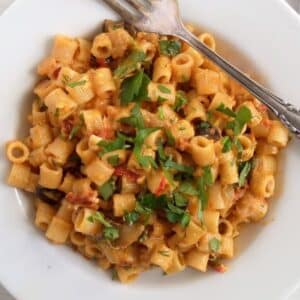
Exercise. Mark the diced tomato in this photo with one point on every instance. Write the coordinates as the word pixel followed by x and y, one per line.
pixel 267 122
pixel 121 171
pixel 261 107
pixel 56 72
pixel 88 199
pixel 102 62
pixel 162 186
pixel 221 268
pixel 67 126
pixel 106 133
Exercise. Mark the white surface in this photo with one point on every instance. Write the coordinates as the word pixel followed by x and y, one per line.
pixel 267 266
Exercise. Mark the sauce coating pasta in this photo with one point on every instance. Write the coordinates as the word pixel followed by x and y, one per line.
pixel 143 153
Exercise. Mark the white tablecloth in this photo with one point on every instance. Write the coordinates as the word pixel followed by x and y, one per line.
pixel 4 4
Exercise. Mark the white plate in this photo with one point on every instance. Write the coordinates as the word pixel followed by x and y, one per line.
pixel 265 36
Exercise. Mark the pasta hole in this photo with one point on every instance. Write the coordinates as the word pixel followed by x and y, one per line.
pixel 43 226
pixel 17 152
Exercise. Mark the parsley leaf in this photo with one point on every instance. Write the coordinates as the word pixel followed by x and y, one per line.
pixel 214 245
pixel 139 140
pixel 109 146
pixel 243 116
pixel 164 89
pixel 164 253
pixel 180 102
pixel 170 138
pixel 188 189
pixel 177 215
pixel 76 128
pixel 114 160
pixel 135 88
pixel 227 144
pixel 170 164
pixel 169 48
pixel 107 189
pixel 203 183
pixel 76 83
pixel 226 111
pixel 180 200
pixel 130 63
pixel 136 118
pixel 131 217
pixel 160 112
pixel 110 233
pixel 245 171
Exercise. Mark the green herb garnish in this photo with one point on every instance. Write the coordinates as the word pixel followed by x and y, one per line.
pixel 214 245
pixel 164 253
pixel 188 188
pixel 135 88
pixel 164 89
pixel 110 232
pixel 107 189
pixel 180 102
pixel 130 64
pixel 114 160
pixel 160 112
pixel 244 173
pixel 76 83
pixel 109 146
pixel 170 138
pixel 169 48
pixel 142 134
pixel 227 144
pixel 131 217
pixel 77 128
pixel 136 118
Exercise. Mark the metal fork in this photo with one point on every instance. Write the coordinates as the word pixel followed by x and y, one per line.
pixel 162 17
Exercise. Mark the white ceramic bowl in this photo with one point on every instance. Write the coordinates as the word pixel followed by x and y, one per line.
pixel 262 37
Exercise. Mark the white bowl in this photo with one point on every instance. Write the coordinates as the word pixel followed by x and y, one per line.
pixel 262 37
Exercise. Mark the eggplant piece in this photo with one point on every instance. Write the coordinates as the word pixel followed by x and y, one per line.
pixel 52 197
pixel 207 130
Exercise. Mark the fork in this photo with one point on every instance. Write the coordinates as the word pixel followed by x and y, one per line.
pixel 162 17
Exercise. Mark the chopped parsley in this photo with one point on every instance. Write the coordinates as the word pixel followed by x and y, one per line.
pixel 227 144
pixel 110 232
pixel 169 48
pixel 107 189
pixel 135 119
pixel 164 89
pixel 245 170
pixel 76 83
pixel 180 102
pixel 75 130
pixel 203 183
pixel 240 118
pixel 164 253
pixel 169 164
pixel 131 217
pixel 135 88
pixel 109 146
pixel 170 138
pixel 188 188
pixel 114 160
pixel 177 215
pixel 160 112
pixel 214 245
pixel 144 161
pixel 130 64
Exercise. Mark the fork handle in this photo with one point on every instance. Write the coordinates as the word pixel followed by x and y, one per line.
pixel 285 111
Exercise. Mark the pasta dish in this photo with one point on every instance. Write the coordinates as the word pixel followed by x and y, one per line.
pixel 143 153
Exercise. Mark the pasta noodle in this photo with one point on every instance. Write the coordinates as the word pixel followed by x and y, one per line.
pixel 142 152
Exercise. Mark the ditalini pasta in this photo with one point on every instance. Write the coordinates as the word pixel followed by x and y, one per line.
pixel 143 153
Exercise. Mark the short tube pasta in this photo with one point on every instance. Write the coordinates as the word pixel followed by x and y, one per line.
pixel 17 152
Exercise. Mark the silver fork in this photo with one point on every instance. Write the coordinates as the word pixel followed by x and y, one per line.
pixel 162 16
